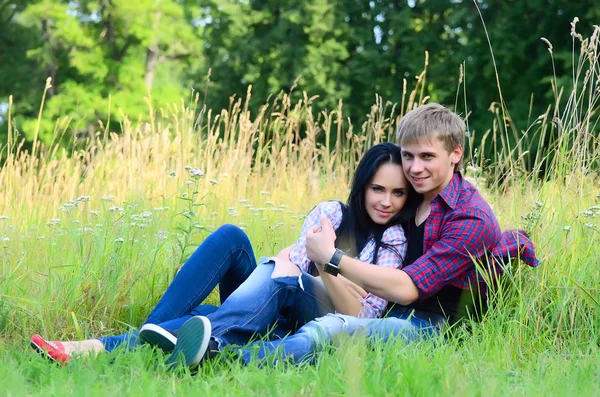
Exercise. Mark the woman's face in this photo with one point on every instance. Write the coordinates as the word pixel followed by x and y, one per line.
pixel 386 193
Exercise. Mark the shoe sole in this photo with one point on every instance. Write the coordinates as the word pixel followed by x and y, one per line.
pixel 155 335
pixel 192 342
pixel 46 354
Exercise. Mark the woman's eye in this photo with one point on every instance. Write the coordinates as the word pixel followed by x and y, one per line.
pixel 399 194
pixel 377 189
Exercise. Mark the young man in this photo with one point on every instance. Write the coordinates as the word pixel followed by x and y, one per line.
pixel 454 229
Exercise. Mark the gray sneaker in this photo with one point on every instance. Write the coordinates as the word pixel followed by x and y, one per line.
pixel 192 342
pixel 155 335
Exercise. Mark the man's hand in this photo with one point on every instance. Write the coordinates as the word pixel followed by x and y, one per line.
pixel 320 243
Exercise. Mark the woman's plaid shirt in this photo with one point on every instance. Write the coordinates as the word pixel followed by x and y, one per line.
pixel 373 306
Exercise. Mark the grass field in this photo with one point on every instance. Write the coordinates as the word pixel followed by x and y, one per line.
pixel 89 242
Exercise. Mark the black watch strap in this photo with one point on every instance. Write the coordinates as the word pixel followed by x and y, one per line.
pixel 337 257
pixel 333 266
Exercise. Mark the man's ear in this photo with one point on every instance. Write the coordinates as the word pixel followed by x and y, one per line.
pixel 456 154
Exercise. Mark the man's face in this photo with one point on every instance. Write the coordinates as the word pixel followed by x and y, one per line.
pixel 429 166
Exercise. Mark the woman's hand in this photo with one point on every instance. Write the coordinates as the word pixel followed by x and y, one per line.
pixel 320 243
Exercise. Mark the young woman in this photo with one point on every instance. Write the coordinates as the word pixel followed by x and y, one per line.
pixel 368 227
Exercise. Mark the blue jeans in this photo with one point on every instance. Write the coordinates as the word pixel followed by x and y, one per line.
pixel 260 302
pixel 225 258
pixel 316 335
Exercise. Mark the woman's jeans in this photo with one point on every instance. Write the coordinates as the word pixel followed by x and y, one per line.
pixel 225 258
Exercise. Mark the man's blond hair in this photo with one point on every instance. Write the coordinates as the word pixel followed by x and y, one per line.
pixel 432 120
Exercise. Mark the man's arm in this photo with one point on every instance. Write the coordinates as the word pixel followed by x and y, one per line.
pixel 466 237
pixel 390 284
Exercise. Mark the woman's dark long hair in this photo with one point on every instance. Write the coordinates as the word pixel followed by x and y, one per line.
pixel 357 226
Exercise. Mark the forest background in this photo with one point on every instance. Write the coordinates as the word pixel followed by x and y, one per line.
pixel 108 59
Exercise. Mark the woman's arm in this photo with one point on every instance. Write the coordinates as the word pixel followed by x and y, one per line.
pixel 345 300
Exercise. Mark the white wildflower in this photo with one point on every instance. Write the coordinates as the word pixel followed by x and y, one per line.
pixel 243 201
pixel 213 181
pixel 539 204
pixel 269 203
pixel 567 228
pixel 187 167
pixel 96 213
pixel 119 240
pixel 147 214
pixel 5 239
pixel 172 174
pixel 264 192
pixel 590 225
pixel 115 208
pixel 3 216
pixel 158 209
pixel 196 173
pixel 82 199
pixel 107 198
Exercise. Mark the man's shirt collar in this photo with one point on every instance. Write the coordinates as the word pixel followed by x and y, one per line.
pixel 451 193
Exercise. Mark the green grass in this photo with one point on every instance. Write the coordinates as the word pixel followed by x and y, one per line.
pixel 78 268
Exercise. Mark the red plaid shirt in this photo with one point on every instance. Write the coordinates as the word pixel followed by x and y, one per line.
pixel 461 228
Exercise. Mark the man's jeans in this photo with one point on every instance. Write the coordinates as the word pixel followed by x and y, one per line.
pixel 316 335
pixel 225 258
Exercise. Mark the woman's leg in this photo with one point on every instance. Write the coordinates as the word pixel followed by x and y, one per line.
pixel 225 258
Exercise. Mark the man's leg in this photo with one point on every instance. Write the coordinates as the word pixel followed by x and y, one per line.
pixel 316 335
pixel 225 258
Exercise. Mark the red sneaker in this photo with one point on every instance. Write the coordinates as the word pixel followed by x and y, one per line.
pixel 53 350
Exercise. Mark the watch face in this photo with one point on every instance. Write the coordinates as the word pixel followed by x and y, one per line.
pixel 331 269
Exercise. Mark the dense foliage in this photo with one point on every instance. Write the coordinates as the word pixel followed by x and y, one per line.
pixel 107 58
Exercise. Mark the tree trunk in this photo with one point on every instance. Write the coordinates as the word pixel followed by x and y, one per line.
pixel 151 62
pixel 51 67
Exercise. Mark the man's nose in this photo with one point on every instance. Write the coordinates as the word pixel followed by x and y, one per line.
pixel 416 166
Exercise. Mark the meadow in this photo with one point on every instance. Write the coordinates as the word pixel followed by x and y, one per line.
pixel 90 240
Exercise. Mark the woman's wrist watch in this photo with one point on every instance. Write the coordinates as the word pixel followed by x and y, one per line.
pixel 333 266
